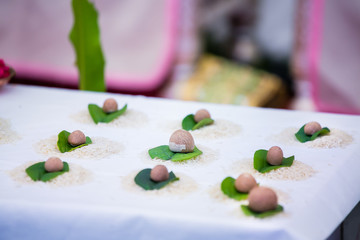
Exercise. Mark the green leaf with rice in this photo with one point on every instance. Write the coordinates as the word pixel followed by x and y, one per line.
pixel 261 164
pixel 65 146
pixel 37 172
pixel 228 188
pixel 303 137
pixel 203 123
pixel 98 115
pixel 163 152
pixel 143 180
pixel 189 123
pixel 248 212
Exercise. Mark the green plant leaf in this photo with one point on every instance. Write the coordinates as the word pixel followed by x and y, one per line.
pixel 37 172
pixel 143 180
pixel 248 212
pixel 188 123
pixel 228 188
pixel 98 115
pixel 163 152
pixel 64 145
pixel 85 37
pixel 202 123
pixel 186 156
pixel 263 166
pixel 303 137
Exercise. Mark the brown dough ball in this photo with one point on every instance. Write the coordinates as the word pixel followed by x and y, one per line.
pixel 311 128
pixel 54 164
pixel 275 155
pixel 245 182
pixel 262 199
pixel 76 138
pixel 110 105
pixel 181 141
pixel 159 173
pixel 201 114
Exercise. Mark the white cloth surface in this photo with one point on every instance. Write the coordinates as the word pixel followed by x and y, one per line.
pixel 103 208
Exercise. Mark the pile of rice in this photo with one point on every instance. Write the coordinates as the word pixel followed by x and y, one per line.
pixel 336 138
pixel 77 175
pixel 98 149
pixel 183 186
pixel 207 157
pixel 296 172
pixel 131 118
pixel 219 129
pixel 6 134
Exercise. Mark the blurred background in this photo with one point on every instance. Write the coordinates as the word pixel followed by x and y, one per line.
pixel 293 54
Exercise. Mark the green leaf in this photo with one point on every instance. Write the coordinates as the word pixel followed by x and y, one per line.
pixel 98 115
pixel 202 123
pixel 263 166
pixel 188 123
pixel 163 152
pixel 37 172
pixel 303 137
pixel 143 180
pixel 185 156
pixel 85 37
pixel 248 212
pixel 64 145
pixel 228 188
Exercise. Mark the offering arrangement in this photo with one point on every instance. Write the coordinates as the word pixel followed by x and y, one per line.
pixel 131 181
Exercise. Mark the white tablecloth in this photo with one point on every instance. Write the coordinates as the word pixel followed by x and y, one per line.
pixel 105 207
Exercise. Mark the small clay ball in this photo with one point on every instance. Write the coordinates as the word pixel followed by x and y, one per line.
pixel 274 155
pixel 54 164
pixel 201 114
pixel 159 173
pixel 311 128
pixel 76 138
pixel 110 105
pixel 262 199
pixel 181 141
pixel 245 182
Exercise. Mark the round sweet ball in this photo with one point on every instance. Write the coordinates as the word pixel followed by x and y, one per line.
pixel 54 164
pixel 76 138
pixel 159 173
pixel 245 182
pixel 110 105
pixel 311 128
pixel 262 199
pixel 201 114
pixel 181 141
pixel 274 155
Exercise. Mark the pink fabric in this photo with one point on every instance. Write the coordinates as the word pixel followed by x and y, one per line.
pixel 45 73
pixel 315 42
pixel 138 82
pixel 156 78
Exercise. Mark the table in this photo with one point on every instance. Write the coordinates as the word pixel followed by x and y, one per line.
pixel 105 203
